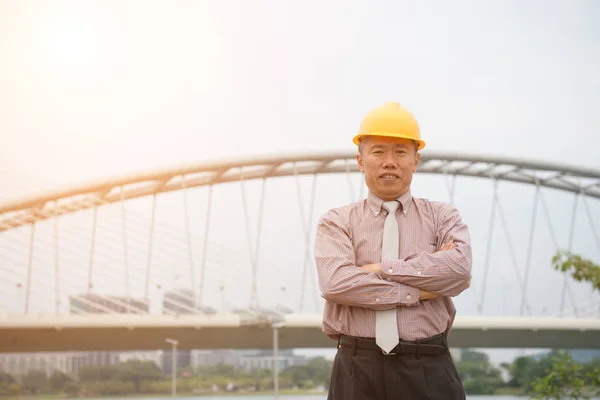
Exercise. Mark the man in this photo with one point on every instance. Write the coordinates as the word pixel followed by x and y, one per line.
pixel 388 267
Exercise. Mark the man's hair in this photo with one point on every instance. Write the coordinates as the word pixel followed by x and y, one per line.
pixel 361 145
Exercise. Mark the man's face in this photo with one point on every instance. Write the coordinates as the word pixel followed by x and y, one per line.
pixel 388 164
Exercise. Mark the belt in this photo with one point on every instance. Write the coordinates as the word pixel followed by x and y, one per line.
pixel 434 345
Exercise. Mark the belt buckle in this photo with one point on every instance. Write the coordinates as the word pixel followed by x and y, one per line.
pixel 391 353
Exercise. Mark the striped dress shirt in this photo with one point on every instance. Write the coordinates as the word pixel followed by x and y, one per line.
pixel 351 236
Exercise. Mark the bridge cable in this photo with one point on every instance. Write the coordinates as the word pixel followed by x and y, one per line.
pixel 306 231
pixel 29 266
pixel 489 245
pixel 188 235
pixel 530 245
pixel 592 226
pixel 56 260
pixel 150 248
pixel 205 246
pixel 511 250
pixel 253 253
pixel 125 260
pixel 570 246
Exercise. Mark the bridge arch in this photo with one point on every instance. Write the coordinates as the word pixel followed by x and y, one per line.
pixel 29 209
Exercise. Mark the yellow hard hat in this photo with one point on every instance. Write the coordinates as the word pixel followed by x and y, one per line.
pixel 390 119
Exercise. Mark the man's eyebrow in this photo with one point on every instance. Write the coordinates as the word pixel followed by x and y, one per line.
pixel 379 145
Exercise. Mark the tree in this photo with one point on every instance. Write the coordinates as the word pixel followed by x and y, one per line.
pixel 524 370
pixel 71 389
pixel 137 371
pixel 58 380
pixel 7 384
pixel 567 379
pixel 6 378
pixel 298 375
pixel 98 373
pixel 468 355
pixel 35 382
pixel 477 374
pixel 581 269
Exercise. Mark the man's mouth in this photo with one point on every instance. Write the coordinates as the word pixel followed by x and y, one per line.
pixel 388 176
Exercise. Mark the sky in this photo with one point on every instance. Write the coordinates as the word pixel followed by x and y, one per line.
pixel 96 89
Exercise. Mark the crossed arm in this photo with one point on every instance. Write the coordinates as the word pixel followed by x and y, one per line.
pixel 391 283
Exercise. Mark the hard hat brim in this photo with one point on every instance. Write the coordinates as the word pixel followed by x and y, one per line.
pixel 356 140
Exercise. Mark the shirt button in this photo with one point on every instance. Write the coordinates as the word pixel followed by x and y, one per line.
pixel 390 270
pixel 419 273
pixel 408 297
pixel 376 299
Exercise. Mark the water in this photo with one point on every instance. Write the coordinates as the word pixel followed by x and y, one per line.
pixel 283 397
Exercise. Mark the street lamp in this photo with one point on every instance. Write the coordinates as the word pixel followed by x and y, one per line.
pixel 276 326
pixel 174 344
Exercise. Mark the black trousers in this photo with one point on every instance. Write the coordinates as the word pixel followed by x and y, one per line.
pixel 416 371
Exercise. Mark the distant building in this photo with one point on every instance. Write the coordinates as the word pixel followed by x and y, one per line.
pixel 178 302
pixel 18 364
pixel 246 360
pixel 156 356
pixel 264 359
pixel 97 304
pixel 210 358
pixel 93 358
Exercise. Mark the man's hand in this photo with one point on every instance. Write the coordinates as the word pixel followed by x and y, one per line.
pixel 374 268
pixel 447 246
pixel 425 295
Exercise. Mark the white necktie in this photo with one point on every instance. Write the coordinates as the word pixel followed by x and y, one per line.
pixel 386 325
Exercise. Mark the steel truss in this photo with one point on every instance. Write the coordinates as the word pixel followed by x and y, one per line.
pixel 32 209
pixel 27 210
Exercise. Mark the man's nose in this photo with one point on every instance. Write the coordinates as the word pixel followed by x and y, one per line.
pixel 389 161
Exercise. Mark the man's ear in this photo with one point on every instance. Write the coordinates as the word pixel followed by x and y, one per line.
pixel 359 160
pixel 417 158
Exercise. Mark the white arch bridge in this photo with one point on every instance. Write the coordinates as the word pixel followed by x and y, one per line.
pixel 204 253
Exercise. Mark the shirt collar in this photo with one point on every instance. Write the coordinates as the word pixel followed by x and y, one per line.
pixel 375 203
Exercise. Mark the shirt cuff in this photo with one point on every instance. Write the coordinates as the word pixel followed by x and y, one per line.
pixel 394 268
pixel 408 295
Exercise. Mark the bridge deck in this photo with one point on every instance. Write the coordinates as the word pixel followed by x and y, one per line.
pixel 147 332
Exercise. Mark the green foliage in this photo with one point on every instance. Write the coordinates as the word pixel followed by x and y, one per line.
pixel 98 373
pixel 482 386
pixel 71 389
pixel 468 355
pixel 567 379
pixel 317 372
pixel 580 269
pixel 58 380
pixel 477 374
pixel 8 385
pixel 35 382
pixel 524 370
pixel 106 388
pixel 6 378
pixel 10 389
pixel 137 371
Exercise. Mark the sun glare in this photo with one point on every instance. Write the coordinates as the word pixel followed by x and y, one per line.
pixel 70 46
pixel 70 49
